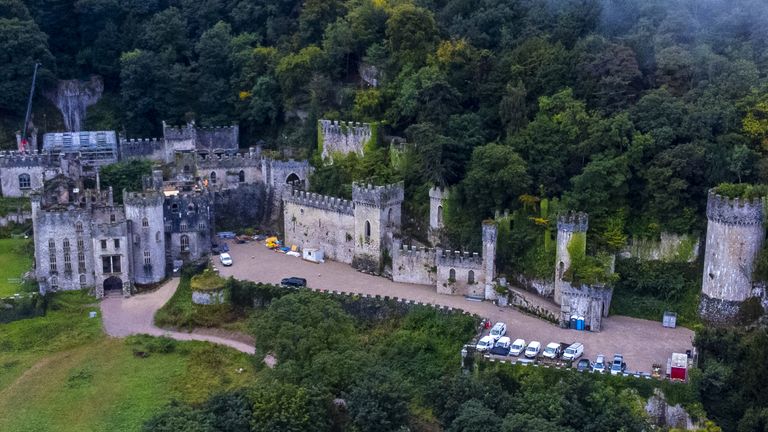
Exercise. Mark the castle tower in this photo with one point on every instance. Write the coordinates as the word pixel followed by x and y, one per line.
pixel 735 235
pixel 334 137
pixel 377 214
pixel 490 234
pixel 144 211
pixel 568 226
pixel 437 197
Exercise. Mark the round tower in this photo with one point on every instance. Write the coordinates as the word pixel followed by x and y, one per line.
pixel 735 235
pixel 437 197
pixel 568 226
pixel 490 235
pixel 146 235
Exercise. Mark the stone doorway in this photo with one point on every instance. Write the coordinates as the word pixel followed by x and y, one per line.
pixel 113 285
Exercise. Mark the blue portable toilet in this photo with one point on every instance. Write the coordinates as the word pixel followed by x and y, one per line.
pixel 580 323
pixel 574 318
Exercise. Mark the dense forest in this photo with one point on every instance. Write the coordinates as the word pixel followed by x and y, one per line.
pixel 629 110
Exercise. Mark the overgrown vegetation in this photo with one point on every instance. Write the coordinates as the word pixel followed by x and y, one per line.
pixel 16 257
pixel 125 176
pixel 742 190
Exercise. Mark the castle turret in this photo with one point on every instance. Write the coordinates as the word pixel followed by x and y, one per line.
pixel 146 235
pixel 437 197
pixel 568 227
pixel 336 137
pixel 377 213
pixel 735 234
pixel 490 234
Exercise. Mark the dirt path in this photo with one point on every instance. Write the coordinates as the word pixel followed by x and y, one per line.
pixel 642 342
pixel 135 315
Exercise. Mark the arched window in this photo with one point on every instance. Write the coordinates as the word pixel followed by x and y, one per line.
pixel 24 181
pixel 112 218
pixel 54 283
pixel 79 227
pixel 145 222
pixel 147 258
pixel 241 176
pixel 440 216
pixel 174 208
pixel 452 275
pixel 560 270
pixel 213 177
pixel 82 280
pixel 367 230
pixel 191 207
pixel 184 243
pixel 186 169
pixel 51 244
pixel 471 277
pixel 157 237
pixel 389 217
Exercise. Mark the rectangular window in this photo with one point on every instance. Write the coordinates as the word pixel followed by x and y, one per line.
pixel 53 267
pixel 80 262
pixel 116 264
pixel 117 243
pixel 106 264
pixel 67 263
pixel 79 244
pixel 103 244
pixel 147 258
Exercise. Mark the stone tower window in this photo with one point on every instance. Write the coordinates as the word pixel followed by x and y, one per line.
pixel 82 280
pixel 451 275
pixel 174 208
pixel 145 222
pixel 147 258
pixel 213 177
pixel 54 283
pixel 367 231
pixel 471 277
pixel 67 257
pixel 24 181
pixel 389 217
pixel 183 226
pixel 186 169
pixel 52 255
pixel 560 270
pixel 157 237
pixel 439 216
pixel 241 176
pixel 112 218
pixel 79 227
pixel 184 243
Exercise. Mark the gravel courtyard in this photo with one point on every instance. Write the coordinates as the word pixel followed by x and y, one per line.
pixel 642 342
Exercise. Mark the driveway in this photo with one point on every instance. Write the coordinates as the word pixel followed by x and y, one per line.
pixel 136 315
pixel 642 342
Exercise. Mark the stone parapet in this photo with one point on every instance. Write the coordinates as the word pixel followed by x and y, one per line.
pixel 458 259
pixel 378 196
pixel 734 211
pixel 322 202
pixel 573 222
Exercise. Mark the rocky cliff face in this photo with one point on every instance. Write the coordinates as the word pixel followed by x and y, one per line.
pixel 73 97
pixel 662 414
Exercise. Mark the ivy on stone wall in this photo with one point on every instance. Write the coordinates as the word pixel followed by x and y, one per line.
pixel 586 269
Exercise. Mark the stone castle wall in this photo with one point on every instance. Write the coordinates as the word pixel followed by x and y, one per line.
pixel 337 137
pixel 318 221
pixel 414 265
pixel 668 248
pixel 735 235
pixel 148 241
pixel 146 148
pixel 592 303
pixel 567 225
pixel 468 274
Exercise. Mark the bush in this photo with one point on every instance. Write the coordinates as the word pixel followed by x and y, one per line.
pixel 17 308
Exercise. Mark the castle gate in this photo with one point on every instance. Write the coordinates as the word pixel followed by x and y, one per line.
pixel 113 284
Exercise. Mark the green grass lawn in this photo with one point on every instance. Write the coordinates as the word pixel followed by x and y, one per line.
pixel 15 259
pixel 61 373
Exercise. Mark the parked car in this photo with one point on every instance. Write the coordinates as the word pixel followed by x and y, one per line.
pixel 499 329
pixel 618 366
pixel 226 235
pixel 552 350
pixel 533 349
pixel 574 351
pixel 583 365
pixel 215 249
pixel 517 348
pixel 599 364
pixel 226 259
pixel 502 346
pixel 224 247
pixel 485 344
pixel 294 282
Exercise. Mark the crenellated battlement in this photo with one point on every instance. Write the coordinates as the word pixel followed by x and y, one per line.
pixel 9 159
pixel 347 128
pixel 573 222
pixel 734 211
pixel 438 192
pixel 322 202
pixel 425 253
pixel 458 259
pixel 377 196
pixel 227 160
pixel 143 199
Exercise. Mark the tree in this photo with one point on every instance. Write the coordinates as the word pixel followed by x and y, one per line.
pixel 288 408
pixel 125 176
pixel 473 416
pixel 179 417
pixel 22 44
pixel 411 34
pixel 215 97
pixel 378 402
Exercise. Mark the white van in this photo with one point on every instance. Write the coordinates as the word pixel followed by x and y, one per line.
pixel 574 351
pixel 499 329
pixel 533 349
pixel 517 348
pixel 552 350
pixel 485 343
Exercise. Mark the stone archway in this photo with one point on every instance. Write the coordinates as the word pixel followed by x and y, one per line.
pixel 113 284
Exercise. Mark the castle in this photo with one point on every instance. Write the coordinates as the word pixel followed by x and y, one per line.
pixel 334 137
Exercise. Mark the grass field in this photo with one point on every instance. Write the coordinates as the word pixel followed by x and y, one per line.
pixel 61 373
pixel 15 259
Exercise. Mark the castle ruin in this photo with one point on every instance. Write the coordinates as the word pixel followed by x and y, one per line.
pixel 335 137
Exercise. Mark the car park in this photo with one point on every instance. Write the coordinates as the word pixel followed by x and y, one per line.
pixel 517 348
pixel 583 365
pixel 485 344
pixel 552 350
pixel 294 282
pixel 599 364
pixel 574 351
pixel 226 259
pixel 499 329
pixel 533 349
pixel 618 366
pixel 502 346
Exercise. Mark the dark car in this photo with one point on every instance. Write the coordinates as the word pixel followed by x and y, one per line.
pixel 294 282
pixel 224 247
pixel 583 365
pixel 215 249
